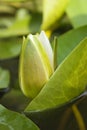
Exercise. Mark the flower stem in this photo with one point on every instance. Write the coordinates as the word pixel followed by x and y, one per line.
pixel 78 117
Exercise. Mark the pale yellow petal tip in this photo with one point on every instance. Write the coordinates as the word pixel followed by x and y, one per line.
pixel 47 46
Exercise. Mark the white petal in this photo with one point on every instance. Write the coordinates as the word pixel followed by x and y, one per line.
pixel 46 44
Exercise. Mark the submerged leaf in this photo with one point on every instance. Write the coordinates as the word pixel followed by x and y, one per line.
pixel 68 81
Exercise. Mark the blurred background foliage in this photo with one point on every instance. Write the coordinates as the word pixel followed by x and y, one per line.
pixel 18 18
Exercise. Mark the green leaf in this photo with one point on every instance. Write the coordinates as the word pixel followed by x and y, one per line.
pixel 19 27
pixel 68 41
pixel 4 78
pixel 77 12
pixel 10 48
pixel 68 81
pixel 23 24
pixel 52 11
pixel 10 120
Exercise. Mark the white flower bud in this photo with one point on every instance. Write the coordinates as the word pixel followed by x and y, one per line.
pixel 36 64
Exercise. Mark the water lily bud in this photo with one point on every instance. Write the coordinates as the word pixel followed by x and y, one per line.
pixel 36 63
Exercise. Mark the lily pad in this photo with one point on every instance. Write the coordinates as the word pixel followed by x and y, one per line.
pixel 10 48
pixel 10 120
